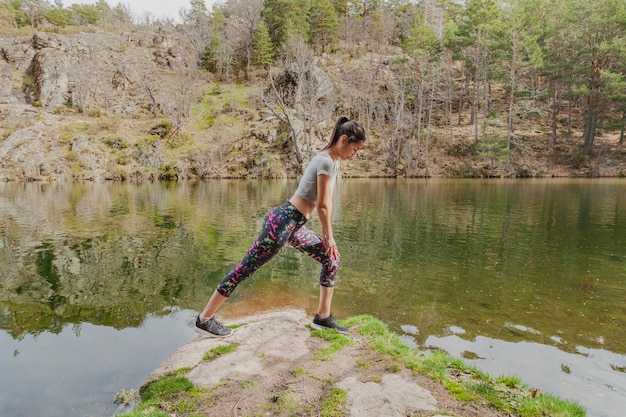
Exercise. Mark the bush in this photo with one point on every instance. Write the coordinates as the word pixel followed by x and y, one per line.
pixel 462 149
pixel 162 129
pixel 465 170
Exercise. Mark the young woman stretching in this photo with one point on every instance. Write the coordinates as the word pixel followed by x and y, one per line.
pixel 286 224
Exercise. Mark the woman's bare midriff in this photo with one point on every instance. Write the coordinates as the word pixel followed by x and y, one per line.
pixel 303 206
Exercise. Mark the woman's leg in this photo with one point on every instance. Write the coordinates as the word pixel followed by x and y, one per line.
pixel 308 242
pixel 326 298
pixel 277 227
pixel 214 303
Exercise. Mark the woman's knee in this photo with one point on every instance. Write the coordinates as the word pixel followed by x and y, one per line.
pixel 328 276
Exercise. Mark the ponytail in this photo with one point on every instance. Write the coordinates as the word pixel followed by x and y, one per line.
pixel 345 126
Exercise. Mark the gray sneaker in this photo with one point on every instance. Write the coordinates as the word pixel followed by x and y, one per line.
pixel 211 327
pixel 328 323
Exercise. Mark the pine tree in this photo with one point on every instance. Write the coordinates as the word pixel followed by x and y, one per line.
pixel 476 29
pixel 286 19
pixel 324 23
pixel 262 48
pixel 601 26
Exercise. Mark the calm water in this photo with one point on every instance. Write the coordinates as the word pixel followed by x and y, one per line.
pixel 100 282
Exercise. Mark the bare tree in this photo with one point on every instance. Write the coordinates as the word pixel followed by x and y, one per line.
pixel 84 81
pixel 277 103
pixel 149 83
pixel 312 84
pixel 176 103
pixel 197 28
pixel 35 10
pixel 243 18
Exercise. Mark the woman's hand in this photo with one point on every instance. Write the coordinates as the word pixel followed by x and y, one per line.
pixel 330 248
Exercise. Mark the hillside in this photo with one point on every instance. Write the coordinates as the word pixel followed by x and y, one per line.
pixel 128 105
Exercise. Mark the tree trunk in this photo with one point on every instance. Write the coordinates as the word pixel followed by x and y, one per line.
pixel 420 101
pixel 569 117
pixel 430 112
pixel 621 133
pixel 590 127
pixel 449 106
pixel 556 108
pixel 511 122
pixel 475 105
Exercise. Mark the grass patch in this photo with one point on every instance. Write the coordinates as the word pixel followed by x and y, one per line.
pixel 335 405
pixel 336 339
pixel 247 384
pixel 363 363
pixel 298 372
pixel 172 395
pixel 219 351
pixel 165 389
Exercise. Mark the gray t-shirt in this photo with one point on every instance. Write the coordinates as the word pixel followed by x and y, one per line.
pixel 323 164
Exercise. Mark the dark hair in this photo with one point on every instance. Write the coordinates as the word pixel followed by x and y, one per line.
pixel 345 126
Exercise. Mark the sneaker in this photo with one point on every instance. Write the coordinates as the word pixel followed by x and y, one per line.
pixel 211 327
pixel 328 323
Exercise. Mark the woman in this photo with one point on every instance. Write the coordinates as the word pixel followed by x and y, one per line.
pixel 286 224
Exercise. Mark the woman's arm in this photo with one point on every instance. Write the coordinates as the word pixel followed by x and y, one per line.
pixel 324 211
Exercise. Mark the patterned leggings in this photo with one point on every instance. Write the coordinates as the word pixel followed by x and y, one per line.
pixel 283 224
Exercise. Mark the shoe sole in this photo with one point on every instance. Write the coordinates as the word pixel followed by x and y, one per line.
pixel 205 333
pixel 320 327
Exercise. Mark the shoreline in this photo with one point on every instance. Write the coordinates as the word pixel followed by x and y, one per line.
pixel 275 362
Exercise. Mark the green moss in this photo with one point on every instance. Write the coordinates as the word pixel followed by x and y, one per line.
pixel 166 389
pixel 219 351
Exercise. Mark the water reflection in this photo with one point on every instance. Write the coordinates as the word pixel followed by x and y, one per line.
pixel 498 268
pixel 77 370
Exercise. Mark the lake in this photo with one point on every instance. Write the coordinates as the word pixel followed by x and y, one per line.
pixel 102 281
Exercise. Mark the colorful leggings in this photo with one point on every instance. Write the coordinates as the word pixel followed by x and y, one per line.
pixel 283 224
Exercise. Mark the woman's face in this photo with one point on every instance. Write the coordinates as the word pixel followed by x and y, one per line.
pixel 348 150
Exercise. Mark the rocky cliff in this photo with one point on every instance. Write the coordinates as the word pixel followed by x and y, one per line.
pixel 69 104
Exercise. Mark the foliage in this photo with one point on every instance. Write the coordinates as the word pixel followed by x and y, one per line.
pixel 162 129
pixel 40 13
pixel 262 55
pixel 435 62
pixel 58 17
pixel 324 23
pixel 286 19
